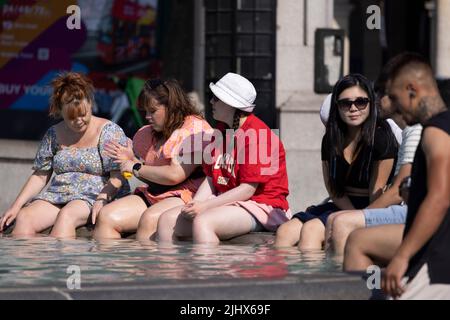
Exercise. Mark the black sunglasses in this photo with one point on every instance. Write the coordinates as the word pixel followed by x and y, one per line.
pixel 152 84
pixel 360 103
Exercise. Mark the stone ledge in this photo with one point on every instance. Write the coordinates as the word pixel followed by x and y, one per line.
pixel 18 149
pixel 246 239
pixel 304 287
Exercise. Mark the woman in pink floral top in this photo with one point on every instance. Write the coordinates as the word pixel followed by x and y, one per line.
pixel 166 155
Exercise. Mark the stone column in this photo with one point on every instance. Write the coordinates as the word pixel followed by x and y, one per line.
pixel 297 103
pixel 443 39
pixel 199 51
pixel 342 9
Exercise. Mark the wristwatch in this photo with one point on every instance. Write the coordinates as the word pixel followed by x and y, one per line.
pixel 136 167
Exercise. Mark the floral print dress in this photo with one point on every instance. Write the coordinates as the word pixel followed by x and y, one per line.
pixel 79 173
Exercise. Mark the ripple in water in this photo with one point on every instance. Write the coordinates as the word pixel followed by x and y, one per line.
pixel 44 261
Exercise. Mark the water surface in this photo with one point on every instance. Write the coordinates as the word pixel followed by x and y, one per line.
pixel 45 261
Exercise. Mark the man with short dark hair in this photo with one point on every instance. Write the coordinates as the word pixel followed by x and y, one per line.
pixel 424 254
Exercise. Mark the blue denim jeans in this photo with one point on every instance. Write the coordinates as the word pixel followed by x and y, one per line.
pixel 390 215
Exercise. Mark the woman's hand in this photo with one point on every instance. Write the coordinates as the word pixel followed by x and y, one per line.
pixel 120 153
pixel 8 217
pixel 98 205
pixel 392 280
pixel 193 209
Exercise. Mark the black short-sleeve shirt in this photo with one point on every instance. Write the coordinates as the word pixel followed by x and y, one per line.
pixel 385 147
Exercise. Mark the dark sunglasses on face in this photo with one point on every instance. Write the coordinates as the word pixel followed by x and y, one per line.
pixel 360 103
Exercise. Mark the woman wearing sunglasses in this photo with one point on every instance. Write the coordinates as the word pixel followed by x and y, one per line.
pixel 358 155
pixel 174 129
pixel 246 185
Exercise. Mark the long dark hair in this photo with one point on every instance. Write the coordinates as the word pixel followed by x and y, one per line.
pixel 336 132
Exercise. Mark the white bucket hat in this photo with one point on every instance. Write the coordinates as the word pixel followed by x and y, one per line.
pixel 236 91
pixel 325 109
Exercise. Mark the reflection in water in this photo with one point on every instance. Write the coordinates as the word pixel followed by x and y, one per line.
pixel 44 261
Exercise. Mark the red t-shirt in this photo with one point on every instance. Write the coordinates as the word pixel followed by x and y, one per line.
pixel 257 156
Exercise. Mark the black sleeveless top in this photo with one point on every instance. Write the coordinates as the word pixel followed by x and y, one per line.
pixel 436 252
